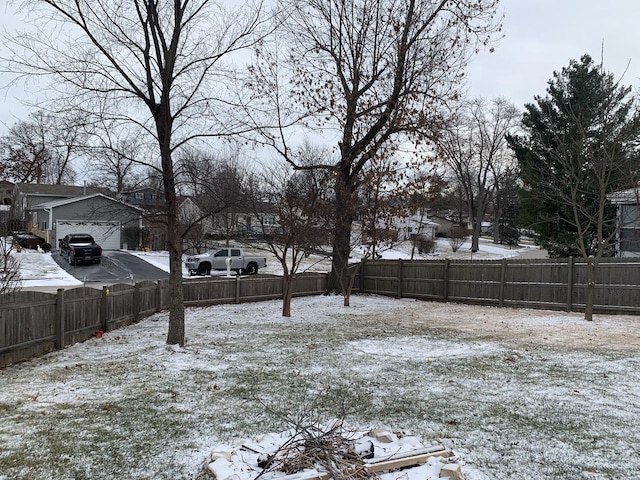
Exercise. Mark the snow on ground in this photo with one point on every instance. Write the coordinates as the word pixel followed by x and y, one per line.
pixel 509 404
pixel 40 270
pixel 515 394
pixel 315 263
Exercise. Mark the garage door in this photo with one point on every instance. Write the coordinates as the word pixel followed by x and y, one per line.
pixel 106 234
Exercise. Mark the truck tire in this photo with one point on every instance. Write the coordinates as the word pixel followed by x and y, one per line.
pixel 251 269
pixel 204 269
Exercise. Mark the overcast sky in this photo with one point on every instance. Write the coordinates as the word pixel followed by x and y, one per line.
pixel 540 37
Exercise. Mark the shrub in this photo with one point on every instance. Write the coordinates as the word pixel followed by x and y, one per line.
pixel 424 245
pixel 457 236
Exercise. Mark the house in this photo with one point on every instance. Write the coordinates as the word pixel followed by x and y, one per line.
pixel 627 203
pixel 416 224
pixel 112 223
pixel 6 199
pixel 26 195
pixel 252 220
pixel 148 198
pixel 444 224
pixel 6 192
pixel 52 211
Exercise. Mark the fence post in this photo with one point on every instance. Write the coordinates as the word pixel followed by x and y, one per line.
pixel 104 322
pixel 445 295
pixel 60 319
pixel 361 283
pixel 159 305
pixel 503 279
pixel 238 288
pixel 400 269
pixel 569 284
pixel 136 302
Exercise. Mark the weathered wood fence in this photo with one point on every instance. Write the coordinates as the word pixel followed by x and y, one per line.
pixel 34 323
pixel 558 284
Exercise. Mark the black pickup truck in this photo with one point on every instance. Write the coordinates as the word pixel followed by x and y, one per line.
pixel 80 247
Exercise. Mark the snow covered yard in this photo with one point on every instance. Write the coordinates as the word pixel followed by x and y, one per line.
pixel 517 394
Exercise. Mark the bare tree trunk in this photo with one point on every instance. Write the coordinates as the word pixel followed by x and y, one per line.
pixel 341 236
pixel 349 287
pixel 477 224
pixel 341 250
pixel 592 269
pixel 176 333
pixel 496 225
pixel 286 295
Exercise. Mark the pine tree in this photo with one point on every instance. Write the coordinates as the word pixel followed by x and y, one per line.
pixel 578 145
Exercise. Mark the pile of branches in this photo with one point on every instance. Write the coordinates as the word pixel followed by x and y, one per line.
pixel 314 446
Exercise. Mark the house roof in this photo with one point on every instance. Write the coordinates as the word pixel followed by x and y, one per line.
pixel 627 197
pixel 204 204
pixel 58 190
pixel 68 201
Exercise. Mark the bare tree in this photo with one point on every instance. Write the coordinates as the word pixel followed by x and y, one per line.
pixel 158 67
pixel 42 149
pixel 382 204
pixel 25 153
pixel 377 73
pixel 115 158
pixel 422 189
pixel 294 220
pixel 219 186
pixel 10 280
pixel 475 149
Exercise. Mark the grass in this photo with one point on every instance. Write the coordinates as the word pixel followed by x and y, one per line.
pixel 129 406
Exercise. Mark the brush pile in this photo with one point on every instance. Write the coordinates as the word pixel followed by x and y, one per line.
pixel 322 452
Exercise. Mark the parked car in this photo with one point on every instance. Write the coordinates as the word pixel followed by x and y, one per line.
pixel 216 259
pixel 80 247
pixel 28 240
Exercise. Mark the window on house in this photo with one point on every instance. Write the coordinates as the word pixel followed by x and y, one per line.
pixel 43 225
pixel 630 240
pixel 630 216
pixel 139 196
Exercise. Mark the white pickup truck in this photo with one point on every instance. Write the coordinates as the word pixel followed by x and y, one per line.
pixel 216 259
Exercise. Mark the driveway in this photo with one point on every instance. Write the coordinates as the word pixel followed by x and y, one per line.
pixel 116 267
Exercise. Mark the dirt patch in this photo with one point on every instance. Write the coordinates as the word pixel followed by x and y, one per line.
pixel 543 327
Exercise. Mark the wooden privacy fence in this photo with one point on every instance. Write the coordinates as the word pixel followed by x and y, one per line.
pixel 34 323
pixel 554 284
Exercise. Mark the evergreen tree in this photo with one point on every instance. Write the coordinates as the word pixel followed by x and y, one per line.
pixel 508 233
pixel 578 144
